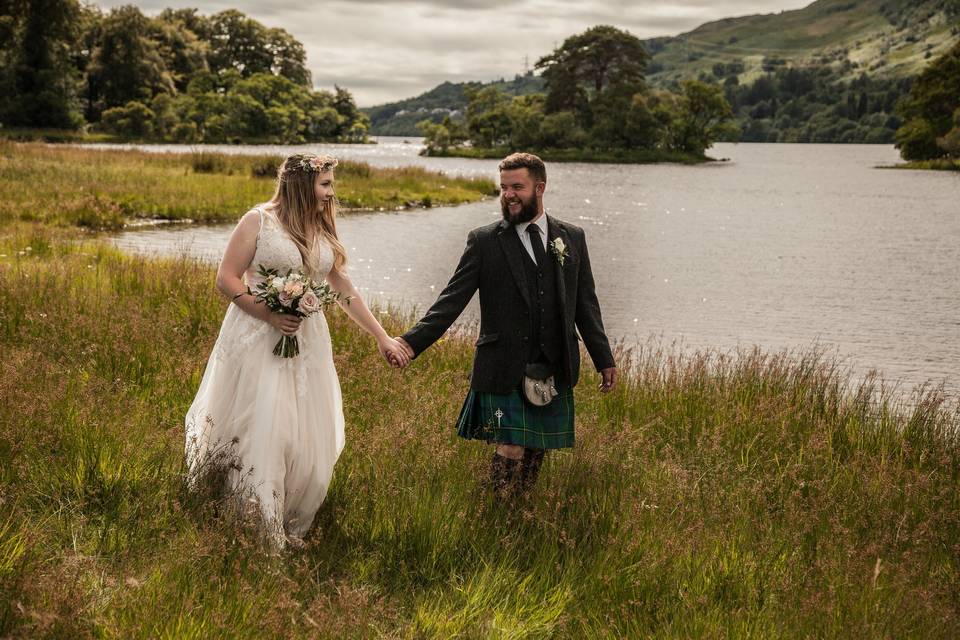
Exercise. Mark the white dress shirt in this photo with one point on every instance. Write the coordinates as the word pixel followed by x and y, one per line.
pixel 521 228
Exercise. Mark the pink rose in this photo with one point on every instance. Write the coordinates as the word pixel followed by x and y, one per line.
pixel 293 288
pixel 309 303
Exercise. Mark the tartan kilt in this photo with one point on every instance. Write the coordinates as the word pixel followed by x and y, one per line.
pixel 520 423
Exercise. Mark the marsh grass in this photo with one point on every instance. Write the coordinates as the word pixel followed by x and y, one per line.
pixel 711 495
pixel 105 188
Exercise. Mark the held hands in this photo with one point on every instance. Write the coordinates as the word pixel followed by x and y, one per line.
pixel 396 352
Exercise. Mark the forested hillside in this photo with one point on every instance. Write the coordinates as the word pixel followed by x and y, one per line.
pixel 830 72
pixel 447 99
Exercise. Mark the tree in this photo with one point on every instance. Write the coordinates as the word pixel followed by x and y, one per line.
pixel 39 84
pixel 184 54
pixel 271 90
pixel 603 58
pixel 289 59
pixel 344 104
pixel 134 119
pixel 241 43
pixel 704 116
pixel 641 128
pixel 600 57
pixel 126 65
pixel 488 120
pixel 436 136
pixel 560 131
pixel 526 114
pixel 440 136
pixel 950 142
pixel 238 42
pixel 929 108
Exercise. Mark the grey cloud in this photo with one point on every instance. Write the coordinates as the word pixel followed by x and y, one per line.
pixel 386 50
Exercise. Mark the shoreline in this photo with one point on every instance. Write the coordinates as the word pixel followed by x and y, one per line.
pixel 579 155
pixel 944 164
pixel 106 188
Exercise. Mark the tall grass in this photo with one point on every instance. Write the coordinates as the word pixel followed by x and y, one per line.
pixel 103 189
pixel 711 495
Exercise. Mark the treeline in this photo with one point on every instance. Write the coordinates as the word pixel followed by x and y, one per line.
pixel 931 112
pixel 808 104
pixel 596 100
pixel 179 77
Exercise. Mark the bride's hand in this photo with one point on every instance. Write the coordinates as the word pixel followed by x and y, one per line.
pixel 393 352
pixel 286 323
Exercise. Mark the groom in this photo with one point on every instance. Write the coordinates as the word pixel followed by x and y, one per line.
pixel 536 293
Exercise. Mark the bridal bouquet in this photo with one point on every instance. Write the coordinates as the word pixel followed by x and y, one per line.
pixel 294 294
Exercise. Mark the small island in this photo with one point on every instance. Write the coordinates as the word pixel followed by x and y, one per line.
pixel 597 108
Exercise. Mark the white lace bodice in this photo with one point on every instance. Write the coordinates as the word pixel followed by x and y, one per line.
pixel 275 250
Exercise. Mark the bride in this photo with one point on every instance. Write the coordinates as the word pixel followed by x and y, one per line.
pixel 279 421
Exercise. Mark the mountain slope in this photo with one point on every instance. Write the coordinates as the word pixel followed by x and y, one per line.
pixel 884 38
pixel 888 40
pixel 400 118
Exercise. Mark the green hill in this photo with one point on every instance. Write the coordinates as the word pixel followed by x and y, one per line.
pixel 401 118
pixel 886 39
pixel 830 72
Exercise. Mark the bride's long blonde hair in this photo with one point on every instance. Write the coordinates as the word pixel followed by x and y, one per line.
pixel 299 211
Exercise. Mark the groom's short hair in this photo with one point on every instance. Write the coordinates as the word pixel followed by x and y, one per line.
pixel 528 161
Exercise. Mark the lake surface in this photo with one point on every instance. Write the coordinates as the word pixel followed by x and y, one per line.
pixel 782 246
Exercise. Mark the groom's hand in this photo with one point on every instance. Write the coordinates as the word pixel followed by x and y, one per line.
pixel 609 379
pixel 394 353
pixel 407 349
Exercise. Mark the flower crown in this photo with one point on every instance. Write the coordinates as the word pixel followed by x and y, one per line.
pixel 310 163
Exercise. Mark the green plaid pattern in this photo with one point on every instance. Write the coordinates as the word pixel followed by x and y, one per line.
pixel 509 419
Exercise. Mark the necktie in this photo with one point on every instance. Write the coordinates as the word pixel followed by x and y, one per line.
pixel 537 243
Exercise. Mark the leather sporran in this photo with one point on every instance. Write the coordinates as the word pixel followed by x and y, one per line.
pixel 539 386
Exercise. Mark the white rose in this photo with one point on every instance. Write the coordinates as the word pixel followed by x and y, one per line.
pixel 309 303
pixel 277 283
pixel 559 246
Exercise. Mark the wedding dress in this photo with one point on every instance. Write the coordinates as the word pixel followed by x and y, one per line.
pixel 279 421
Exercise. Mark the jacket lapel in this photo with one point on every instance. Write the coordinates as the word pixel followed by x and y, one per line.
pixel 554 231
pixel 514 251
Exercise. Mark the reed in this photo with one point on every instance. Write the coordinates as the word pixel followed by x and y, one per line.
pixel 747 494
pixel 105 188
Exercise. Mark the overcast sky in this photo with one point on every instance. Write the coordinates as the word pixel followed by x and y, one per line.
pixel 387 50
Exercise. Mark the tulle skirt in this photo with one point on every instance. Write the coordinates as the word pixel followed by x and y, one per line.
pixel 275 423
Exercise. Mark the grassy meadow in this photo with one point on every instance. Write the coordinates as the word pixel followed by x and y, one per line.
pixel 104 189
pixel 758 496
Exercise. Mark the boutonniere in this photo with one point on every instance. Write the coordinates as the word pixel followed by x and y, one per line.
pixel 559 250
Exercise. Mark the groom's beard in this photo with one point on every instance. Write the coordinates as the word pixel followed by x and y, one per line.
pixel 528 210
